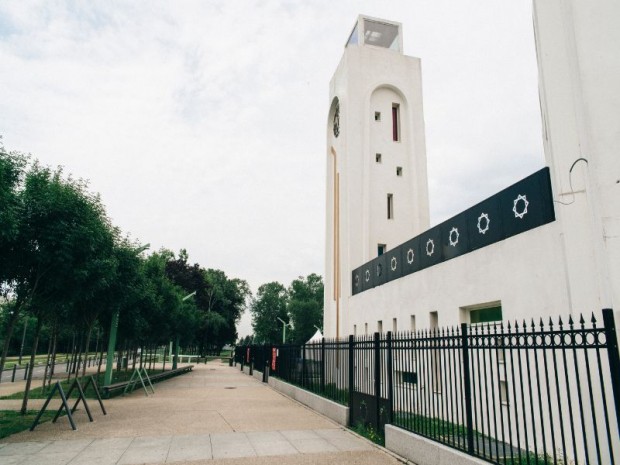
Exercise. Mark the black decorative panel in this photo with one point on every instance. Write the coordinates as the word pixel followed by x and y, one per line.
pixel 356 281
pixel 484 225
pixel 454 236
pixel 380 268
pixel 394 263
pixel 368 276
pixel 523 206
pixel 430 247
pixel 410 256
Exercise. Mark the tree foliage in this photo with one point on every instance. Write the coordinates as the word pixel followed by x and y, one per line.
pixel 65 270
pixel 300 306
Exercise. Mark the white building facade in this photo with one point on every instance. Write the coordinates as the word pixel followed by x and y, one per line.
pixel 546 246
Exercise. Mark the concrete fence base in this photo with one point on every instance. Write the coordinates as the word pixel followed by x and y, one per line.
pixel 338 413
pixel 423 451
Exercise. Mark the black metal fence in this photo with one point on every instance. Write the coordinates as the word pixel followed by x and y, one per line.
pixel 510 393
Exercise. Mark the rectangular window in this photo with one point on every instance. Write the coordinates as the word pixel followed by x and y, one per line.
pixel 395 122
pixel 399 171
pixel 390 206
pixel 485 315
pixel 378 157
pixel 410 377
pixel 380 326
pixel 381 249
pixel 355 330
pixel 394 325
pixel 366 329
pixel 413 323
pixel 377 116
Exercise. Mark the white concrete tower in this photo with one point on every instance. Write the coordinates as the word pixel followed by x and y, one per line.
pixel 377 192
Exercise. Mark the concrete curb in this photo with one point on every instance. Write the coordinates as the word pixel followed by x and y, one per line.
pixel 423 451
pixel 338 413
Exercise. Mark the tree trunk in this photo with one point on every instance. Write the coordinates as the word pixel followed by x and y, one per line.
pixel 54 348
pixel 47 362
pixel 90 330
pixel 100 361
pixel 35 344
pixel 7 340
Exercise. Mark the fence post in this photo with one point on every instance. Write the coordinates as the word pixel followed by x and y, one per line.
pixel 614 357
pixel 377 351
pixel 323 365
pixel 14 370
pixel 351 369
pixel 467 382
pixel 26 370
pixel 390 381
pixel 303 365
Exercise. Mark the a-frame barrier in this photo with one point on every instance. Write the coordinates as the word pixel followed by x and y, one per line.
pixel 136 375
pixel 65 405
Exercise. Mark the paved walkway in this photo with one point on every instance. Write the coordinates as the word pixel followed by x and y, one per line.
pixel 214 415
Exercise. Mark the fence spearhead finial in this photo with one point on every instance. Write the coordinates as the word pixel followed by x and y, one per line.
pixel 593 320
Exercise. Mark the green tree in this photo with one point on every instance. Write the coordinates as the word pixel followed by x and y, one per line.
pixel 63 230
pixel 220 300
pixel 305 306
pixel 12 172
pixel 266 308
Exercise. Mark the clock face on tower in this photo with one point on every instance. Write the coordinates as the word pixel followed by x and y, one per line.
pixel 337 120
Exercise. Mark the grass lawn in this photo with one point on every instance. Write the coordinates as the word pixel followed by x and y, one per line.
pixel 12 422
pixel 38 360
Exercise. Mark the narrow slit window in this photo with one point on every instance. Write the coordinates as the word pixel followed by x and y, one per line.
pixel 380 326
pixel 395 122
pixel 377 116
pixel 503 393
pixel 390 206
pixel 399 171
pixel 394 325
pixel 378 157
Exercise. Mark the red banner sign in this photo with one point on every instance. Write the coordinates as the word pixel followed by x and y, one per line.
pixel 274 354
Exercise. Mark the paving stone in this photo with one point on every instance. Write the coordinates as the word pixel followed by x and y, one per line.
pixel 146 450
pixel 271 443
pixel 191 447
pixel 229 445
pixel 313 446
pixel 23 448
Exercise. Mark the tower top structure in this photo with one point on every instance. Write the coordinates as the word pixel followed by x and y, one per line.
pixel 377 33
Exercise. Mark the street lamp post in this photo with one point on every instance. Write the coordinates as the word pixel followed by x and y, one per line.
pixel 284 325
pixel 176 342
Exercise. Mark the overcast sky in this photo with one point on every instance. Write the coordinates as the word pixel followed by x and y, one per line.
pixel 202 123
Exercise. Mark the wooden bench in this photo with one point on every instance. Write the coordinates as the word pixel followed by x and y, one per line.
pixel 154 378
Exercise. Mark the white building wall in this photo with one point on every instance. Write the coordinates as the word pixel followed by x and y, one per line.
pixel 570 266
pixel 509 272
pixel 579 81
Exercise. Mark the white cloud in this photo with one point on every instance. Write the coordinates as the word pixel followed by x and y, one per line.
pixel 202 123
